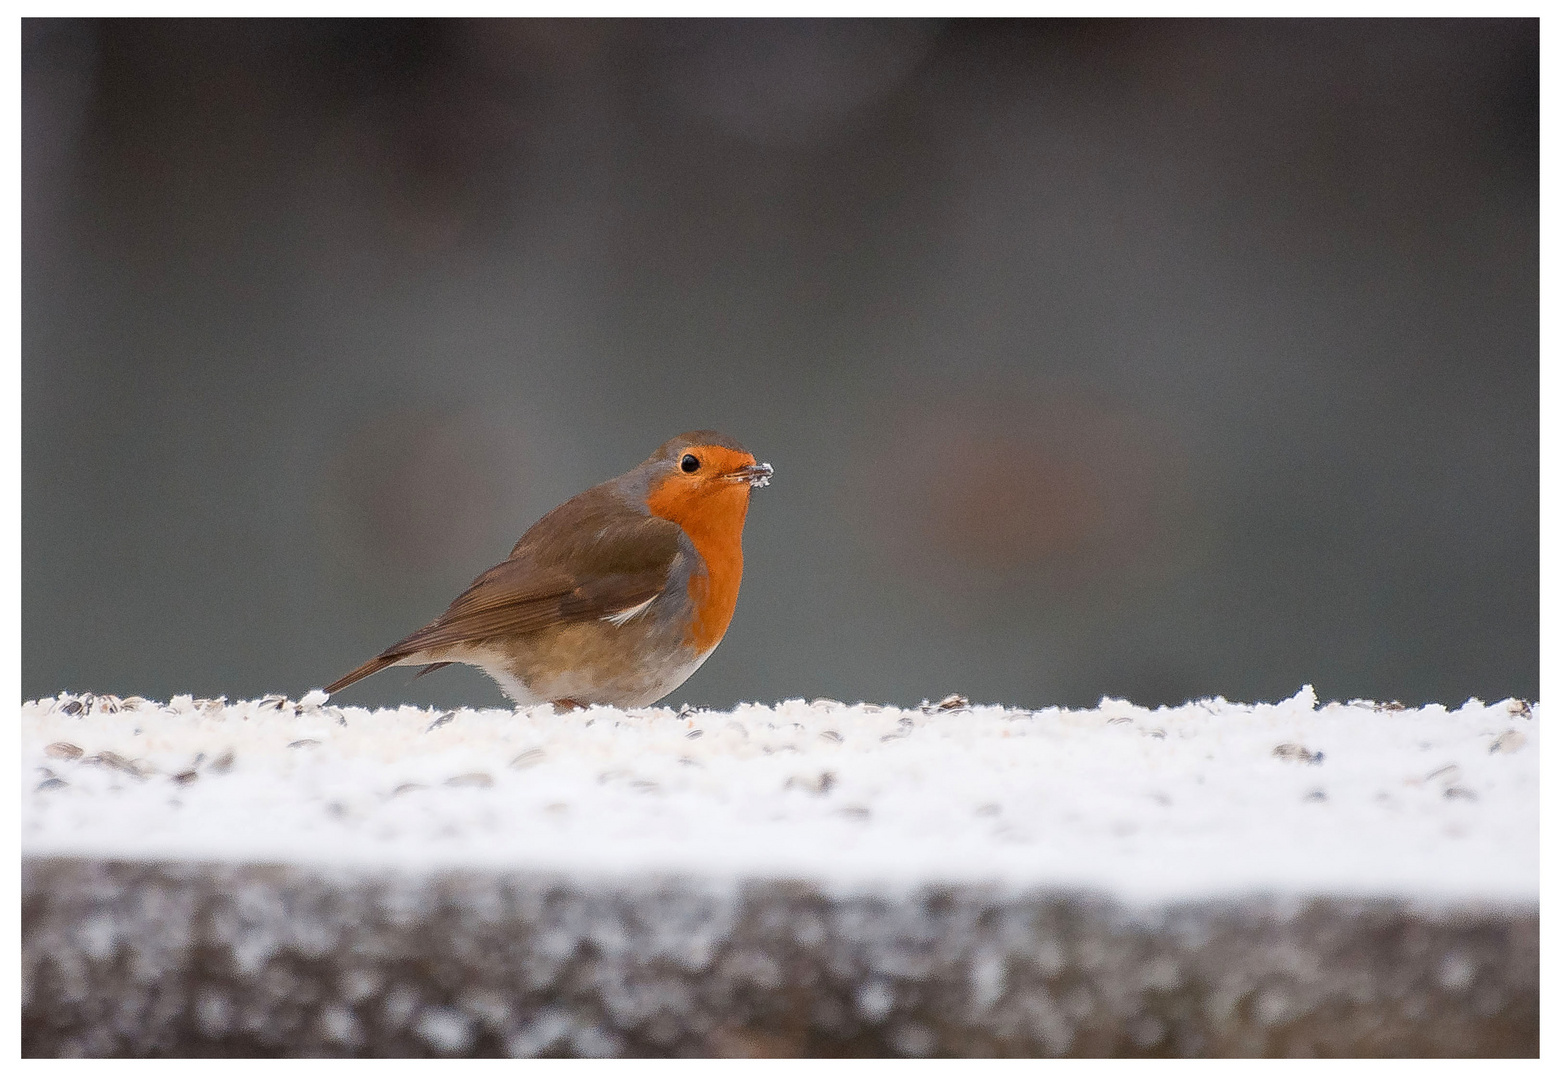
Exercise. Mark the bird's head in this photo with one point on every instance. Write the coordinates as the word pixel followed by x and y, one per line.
pixel 703 478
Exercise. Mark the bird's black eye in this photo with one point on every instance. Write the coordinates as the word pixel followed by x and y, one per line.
pixel 689 463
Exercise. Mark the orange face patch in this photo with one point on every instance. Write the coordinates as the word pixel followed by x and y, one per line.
pixel 711 508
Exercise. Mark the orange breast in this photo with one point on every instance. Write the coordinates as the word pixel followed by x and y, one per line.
pixel 713 518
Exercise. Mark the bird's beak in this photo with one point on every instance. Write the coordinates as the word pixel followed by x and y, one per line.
pixel 755 475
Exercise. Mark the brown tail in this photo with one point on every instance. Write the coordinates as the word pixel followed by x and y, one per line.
pixel 378 663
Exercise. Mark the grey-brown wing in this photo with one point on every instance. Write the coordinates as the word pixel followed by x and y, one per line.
pixel 509 600
pixel 611 564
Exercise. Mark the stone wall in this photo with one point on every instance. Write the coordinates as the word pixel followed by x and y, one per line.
pixel 186 958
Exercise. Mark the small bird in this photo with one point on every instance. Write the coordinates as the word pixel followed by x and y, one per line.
pixel 613 598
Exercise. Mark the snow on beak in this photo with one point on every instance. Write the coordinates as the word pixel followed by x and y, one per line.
pixel 755 475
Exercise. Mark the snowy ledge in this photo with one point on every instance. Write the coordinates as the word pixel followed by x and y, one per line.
pixel 1062 878
pixel 1205 800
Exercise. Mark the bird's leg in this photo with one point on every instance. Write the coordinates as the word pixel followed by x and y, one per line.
pixel 567 704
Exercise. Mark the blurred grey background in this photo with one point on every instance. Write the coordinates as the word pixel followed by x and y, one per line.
pixel 1148 359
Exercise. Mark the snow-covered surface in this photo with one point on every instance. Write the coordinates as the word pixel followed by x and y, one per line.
pixel 1210 799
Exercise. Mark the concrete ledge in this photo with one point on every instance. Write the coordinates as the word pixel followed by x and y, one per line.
pixel 135 958
pixel 298 878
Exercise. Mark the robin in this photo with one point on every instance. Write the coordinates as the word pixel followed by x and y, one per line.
pixel 613 598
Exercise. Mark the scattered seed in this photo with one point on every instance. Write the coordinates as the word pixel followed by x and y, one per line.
pixel 949 703
pixel 695 733
pixel 119 762
pixel 855 813
pixel 648 787
pixel 223 762
pixel 1445 774
pixel 1120 720
pixel 273 701
pixel 443 718
pixel 1459 793
pixel 820 784
pixel 53 783
pixel 832 736
pixel 406 788
pixel 72 708
pixel 188 776
pixel 826 703
pixel 1293 752
pixel 1519 707
pixel 300 744
pixel 1154 733
pixel 312 700
pixel 1316 796
pixel 471 779
pixel 64 750
pixel 533 756
pixel 1507 742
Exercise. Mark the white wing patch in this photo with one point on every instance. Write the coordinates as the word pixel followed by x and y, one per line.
pixel 620 617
